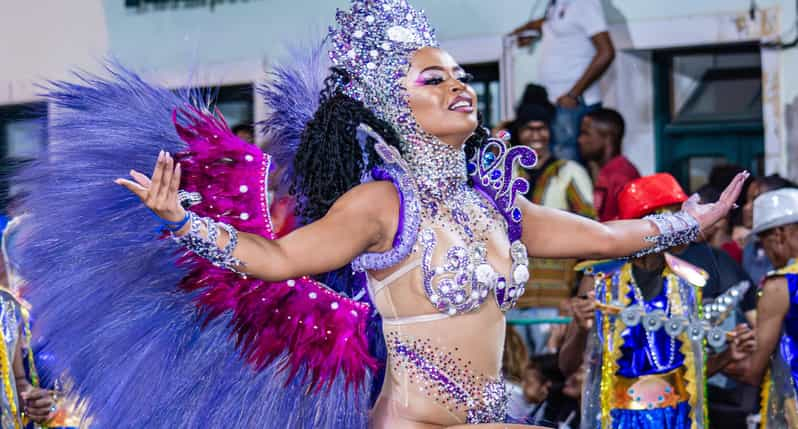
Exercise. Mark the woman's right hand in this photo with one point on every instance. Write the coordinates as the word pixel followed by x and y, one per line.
pixel 158 193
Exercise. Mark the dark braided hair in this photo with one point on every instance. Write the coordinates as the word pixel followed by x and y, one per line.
pixel 477 140
pixel 330 160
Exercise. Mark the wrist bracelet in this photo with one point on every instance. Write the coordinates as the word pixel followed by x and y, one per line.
pixel 174 226
pixel 674 230
pixel 206 246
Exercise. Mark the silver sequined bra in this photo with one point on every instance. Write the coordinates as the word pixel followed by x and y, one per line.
pixel 463 280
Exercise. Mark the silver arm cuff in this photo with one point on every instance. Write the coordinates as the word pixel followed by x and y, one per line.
pixel 206 247
pixel 674 229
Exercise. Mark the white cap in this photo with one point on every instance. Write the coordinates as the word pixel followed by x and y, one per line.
pixel 775 208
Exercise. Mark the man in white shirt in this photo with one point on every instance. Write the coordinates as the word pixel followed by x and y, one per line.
pixel 576 50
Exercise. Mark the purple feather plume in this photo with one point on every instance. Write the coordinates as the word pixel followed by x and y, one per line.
pixel 291 95
pixel 106 289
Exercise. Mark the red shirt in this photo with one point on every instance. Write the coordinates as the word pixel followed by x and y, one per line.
pixel 611 179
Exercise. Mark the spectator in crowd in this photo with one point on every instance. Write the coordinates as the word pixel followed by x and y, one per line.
pixel 755 259
pixel 557 183
pixel 554 182
pixel 729 402
pixel 643 356
pixel 575 51
pixel 540 376
pixel 245 132
pixel 515 361
pixel 569 416
pixel 600 141
pixel 775 222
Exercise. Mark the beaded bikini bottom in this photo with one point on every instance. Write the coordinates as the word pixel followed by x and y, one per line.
pixel 448 380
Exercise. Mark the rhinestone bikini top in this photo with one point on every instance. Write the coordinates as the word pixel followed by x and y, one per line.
pixel 465 278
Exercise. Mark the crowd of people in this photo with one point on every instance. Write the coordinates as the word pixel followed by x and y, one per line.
pixel 607 186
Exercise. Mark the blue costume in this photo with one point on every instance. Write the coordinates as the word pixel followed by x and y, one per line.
pixel 778 390
pixel 646 366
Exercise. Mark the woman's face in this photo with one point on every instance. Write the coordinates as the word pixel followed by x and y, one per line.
pixel 442 102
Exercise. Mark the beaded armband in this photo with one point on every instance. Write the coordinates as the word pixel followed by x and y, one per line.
pixel 674 229
pixel 206 247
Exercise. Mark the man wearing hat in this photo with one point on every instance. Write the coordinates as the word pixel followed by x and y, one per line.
pixel 556 183
pixel 776 358
pixel 642 325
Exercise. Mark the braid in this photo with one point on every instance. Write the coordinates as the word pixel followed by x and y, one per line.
pixel 477 140
pixel 331 160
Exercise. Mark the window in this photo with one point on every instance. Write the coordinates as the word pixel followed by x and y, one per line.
pixel 716 87
pixel 235 102
pixel 23 135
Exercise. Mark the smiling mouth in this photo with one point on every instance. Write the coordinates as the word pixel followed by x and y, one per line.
pixel 462 104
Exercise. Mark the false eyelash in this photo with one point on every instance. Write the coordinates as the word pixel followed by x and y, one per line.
pixel 466 78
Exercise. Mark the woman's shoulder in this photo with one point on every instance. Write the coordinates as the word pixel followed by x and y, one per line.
pixel 377 195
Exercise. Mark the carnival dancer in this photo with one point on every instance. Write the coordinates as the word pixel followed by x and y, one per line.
pixel 776 225
pixel 384 191
pixel 645 342
pixel 23 402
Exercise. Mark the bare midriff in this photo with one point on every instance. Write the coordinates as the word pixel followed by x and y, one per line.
pixel 439 369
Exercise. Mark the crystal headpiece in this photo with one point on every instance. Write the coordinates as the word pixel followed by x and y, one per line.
pixel 373 42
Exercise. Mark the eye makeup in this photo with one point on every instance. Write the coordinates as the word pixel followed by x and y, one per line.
pixel 436 77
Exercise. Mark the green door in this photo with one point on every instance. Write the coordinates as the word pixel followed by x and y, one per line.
pixel 708 111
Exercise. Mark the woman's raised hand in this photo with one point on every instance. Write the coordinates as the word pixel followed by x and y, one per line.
pixel 708 214
pixel 160 192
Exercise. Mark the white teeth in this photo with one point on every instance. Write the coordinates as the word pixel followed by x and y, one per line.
pixel 460 104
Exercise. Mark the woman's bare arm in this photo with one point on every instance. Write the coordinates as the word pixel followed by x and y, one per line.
pixel 363 219
pixel 552 233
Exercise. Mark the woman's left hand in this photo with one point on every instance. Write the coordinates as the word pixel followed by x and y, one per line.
pixel 708 214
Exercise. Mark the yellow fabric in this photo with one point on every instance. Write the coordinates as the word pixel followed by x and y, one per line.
pixel 763 405
pixel 552 188
pixel 7 371
pixel 791 268
pixel 690 376
pixel 612 349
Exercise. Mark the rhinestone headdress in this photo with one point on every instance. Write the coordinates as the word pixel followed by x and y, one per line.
pixel 373 42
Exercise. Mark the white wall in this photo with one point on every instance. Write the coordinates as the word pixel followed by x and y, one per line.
pixel 232 43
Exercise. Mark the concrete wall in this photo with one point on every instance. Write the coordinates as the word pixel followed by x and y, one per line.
pixel 231 43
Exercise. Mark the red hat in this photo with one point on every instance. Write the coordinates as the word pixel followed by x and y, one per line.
pixel 646 195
